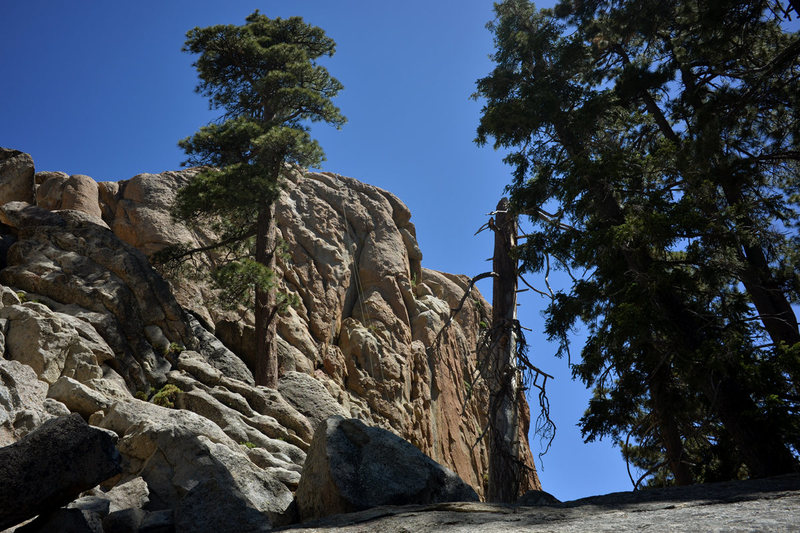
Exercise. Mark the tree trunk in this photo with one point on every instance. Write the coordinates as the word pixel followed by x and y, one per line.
pixel 668 429
pixel 769 299
pixel 760 447
pixel 505 467
pixel 266 371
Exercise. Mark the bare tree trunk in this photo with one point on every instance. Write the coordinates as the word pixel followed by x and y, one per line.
pixel 266 371
pixel 505 466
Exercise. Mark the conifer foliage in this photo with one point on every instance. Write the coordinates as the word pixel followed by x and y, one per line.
pixel 265 78
pixel 655 146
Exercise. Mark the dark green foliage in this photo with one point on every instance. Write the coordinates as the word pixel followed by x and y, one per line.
pixel 265 77
pixel 654 145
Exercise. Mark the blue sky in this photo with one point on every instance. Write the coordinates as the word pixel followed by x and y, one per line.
pixel 102 88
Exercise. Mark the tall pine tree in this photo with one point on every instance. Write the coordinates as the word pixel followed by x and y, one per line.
pixel 655 146
pixel 265 78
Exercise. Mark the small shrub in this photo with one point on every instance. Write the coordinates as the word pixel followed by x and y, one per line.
pixel 167 396
pixel 249 444
pixel 174 349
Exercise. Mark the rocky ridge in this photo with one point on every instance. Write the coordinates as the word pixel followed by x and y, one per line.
pixel 88 327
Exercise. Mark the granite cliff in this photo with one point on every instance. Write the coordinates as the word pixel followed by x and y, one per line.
pixel 87 326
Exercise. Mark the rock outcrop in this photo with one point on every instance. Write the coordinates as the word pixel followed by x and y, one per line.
pixel 368 314
pixel 764 505
pixel 87 326
pixel 351 467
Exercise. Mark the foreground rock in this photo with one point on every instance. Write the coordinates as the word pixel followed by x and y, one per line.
pixel 51 466
pixel 191 466
pixel 352 467
pixel 764 505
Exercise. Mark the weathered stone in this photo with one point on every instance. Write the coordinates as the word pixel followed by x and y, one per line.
pixel 77 397
pixel 50 343
pixel 771 504
pixel 139 521
pixel 50 466
pixel 352 467
pixel 16 176
pixel 22 398
pixel 58 191
pixel 309 397
pixel 217 354
pixel 50 186
pixel 74 261
pixel 188 461
pixel 536 497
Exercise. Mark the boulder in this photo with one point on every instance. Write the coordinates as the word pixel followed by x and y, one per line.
pixel 188 461
pixel 309 397
pixel 52 465
pixel 16 176
pixel 77 397
pixel 351 467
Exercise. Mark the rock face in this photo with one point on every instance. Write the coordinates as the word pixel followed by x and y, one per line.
pixel 87 326
pixel 368 316
pixel 16 176
pixel 351 467
pixel 51 466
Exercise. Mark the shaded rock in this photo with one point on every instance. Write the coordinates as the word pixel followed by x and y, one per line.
pixel 66 520
pixel 76 262
pixel 139 521
pixel 217 354
pixel 352 467
pixel 536 497
pixel 51 466
pixel 51 344
pixel 363 329
pixel 16 176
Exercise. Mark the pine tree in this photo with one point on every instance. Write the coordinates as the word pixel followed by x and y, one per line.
pixel 654 144
pixel 265 78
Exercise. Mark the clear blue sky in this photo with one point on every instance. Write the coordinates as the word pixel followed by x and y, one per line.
pixel 102 88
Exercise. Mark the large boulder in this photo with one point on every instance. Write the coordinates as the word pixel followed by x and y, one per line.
pixel 57 190
pixel 16 176
pixel 52 465
pixel 351 467
pixel 191 466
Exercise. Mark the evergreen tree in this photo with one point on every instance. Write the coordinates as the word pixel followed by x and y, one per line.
pixel 655 146
pixel 265 78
